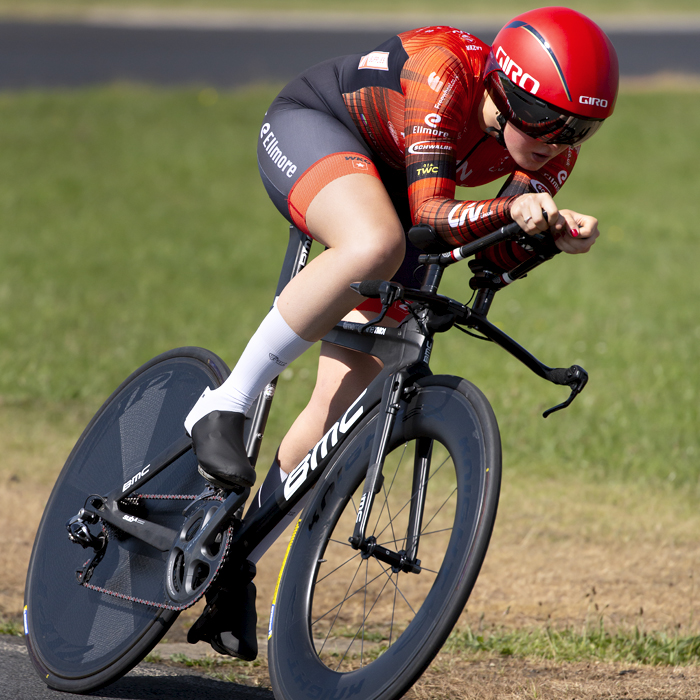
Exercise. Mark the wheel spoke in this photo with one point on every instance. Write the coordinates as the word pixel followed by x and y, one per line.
pixel 444 503
pixel 387 492
pixel 408 502
pixel 338 608
pixel 347 597
pixel 337 568
pixel 362 624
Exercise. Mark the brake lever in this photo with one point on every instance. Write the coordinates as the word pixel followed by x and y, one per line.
pixel 575 377
pixel 386 292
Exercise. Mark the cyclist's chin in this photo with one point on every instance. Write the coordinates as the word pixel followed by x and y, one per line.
pixel 528 160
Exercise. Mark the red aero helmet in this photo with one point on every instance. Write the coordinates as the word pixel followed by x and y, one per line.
pixel 553 73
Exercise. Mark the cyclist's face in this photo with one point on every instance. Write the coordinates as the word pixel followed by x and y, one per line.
pixel 529 153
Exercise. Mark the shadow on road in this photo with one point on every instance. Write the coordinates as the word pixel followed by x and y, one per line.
pixel 180 687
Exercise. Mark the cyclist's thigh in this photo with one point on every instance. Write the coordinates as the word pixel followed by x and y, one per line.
pixel 300 151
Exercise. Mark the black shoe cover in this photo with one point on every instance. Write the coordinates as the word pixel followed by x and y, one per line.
pixel 218 443
pixel 229 620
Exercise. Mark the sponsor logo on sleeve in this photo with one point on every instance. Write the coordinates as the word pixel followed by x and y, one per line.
pixel 427 169
pixel 433 120
pixel 429 147
pixel 433 132
pixel 377 60
pixel 456 218
pixel 431 169
pixel 446 92
pixel 539 187
pixel 435 82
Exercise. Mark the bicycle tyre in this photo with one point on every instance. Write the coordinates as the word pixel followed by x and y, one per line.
pixel 372 638
pixel 80 639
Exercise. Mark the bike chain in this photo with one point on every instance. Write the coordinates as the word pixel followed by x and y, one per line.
pixel 108 530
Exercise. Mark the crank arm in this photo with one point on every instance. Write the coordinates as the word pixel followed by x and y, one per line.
pixel 158 536
pixel 221 518
pixel 151 533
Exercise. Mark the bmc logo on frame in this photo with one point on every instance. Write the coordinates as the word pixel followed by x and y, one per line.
pixel 593 101
pixel 136 477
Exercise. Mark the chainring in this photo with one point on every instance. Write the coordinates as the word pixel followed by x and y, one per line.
pixel 195 557
pixel 192 565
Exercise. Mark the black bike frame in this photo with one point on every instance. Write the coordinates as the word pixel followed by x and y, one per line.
pixel 405 353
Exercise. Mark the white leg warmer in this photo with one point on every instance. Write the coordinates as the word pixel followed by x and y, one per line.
pixel 273 346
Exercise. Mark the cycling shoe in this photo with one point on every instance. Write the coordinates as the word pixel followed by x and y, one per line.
pixel 218 443
pixel 229 620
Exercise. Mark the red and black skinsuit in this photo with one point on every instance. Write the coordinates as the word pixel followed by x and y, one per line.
pixel 407 113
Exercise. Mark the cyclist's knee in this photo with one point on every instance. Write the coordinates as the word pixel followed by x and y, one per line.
pixel 379 246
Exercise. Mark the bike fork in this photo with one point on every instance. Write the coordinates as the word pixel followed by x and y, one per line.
pixel 404 560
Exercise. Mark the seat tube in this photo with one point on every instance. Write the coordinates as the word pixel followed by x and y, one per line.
pixel 295 260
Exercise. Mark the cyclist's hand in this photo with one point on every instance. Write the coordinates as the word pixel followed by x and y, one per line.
pixel 573 232
pixel 529 210
pixel 577 234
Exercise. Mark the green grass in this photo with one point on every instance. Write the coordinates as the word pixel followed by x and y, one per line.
pixel 474 7
pixel 133 221
pixel 12 628
pixel 569 645
pixel 627 311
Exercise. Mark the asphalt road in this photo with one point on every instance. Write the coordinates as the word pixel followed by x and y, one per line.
pixel 20 681
pixel 35 54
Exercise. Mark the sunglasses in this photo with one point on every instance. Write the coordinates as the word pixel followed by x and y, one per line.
pixel 537 118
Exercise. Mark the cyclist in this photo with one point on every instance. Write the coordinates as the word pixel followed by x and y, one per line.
pixel 355 151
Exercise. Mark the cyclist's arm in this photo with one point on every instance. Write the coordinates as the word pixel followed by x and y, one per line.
pixel 548 180
pixel 440 97
pixel 433 122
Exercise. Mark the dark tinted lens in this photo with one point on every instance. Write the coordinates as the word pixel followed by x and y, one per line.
pixel 539 119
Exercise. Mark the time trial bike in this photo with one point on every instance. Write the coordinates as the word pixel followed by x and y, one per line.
pixel 384 556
